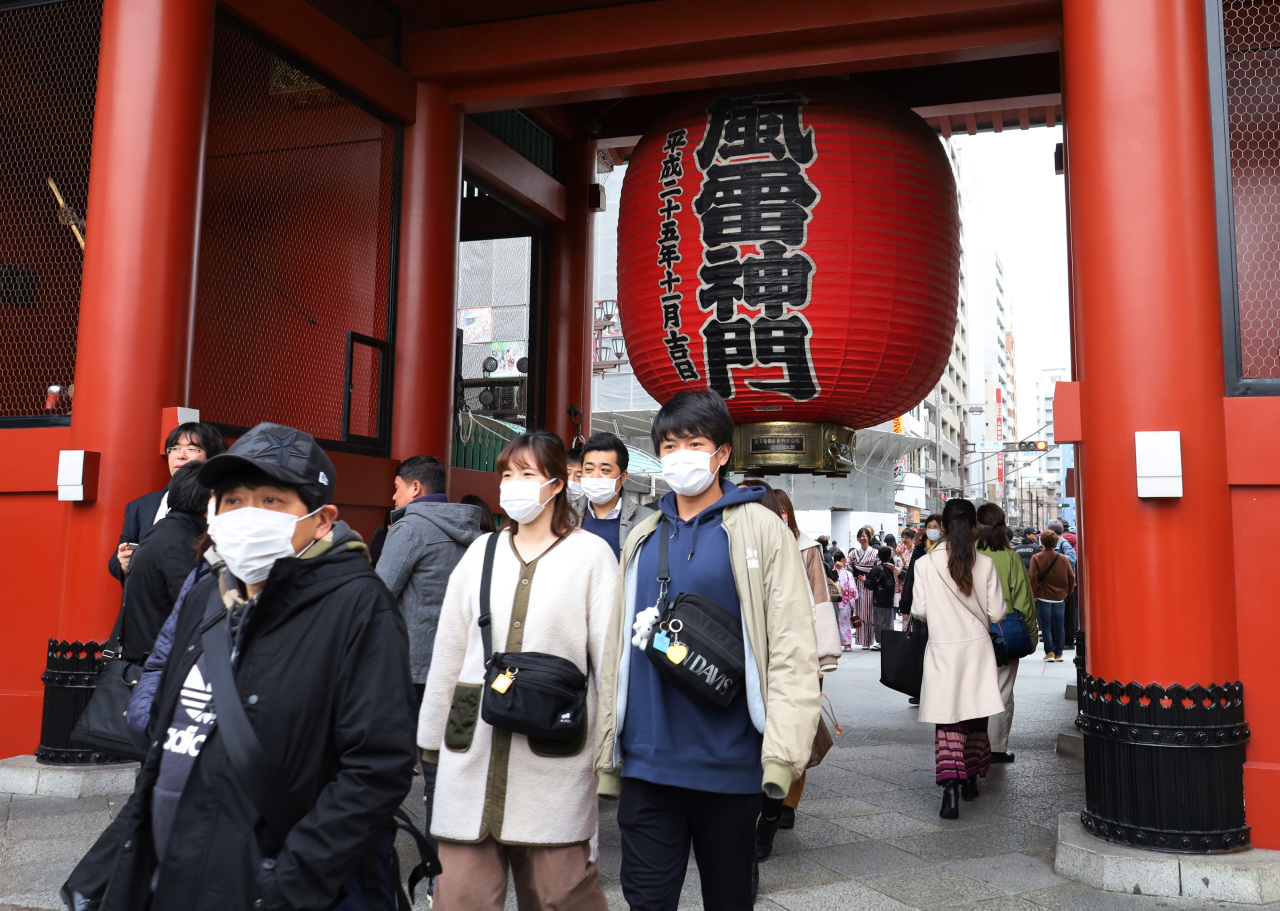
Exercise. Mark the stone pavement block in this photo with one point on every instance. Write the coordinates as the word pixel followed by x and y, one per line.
pixel 865 858
pixel 44 901
pixel 1113 868
pixel 813 833
pixel 954 841
pixel 832 808
pixel 39 807
pixel 1010 873
pixel 1003 903
pixel 836 897
pixel 46 850
pixel 70 825
pixel 888 825
pixel 33 877
pixel 904 799
pixel 932 888
pixel 785 872
pixel 902 778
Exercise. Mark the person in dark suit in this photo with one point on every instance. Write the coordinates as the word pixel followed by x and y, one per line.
pixel 162 563
pixel 190 442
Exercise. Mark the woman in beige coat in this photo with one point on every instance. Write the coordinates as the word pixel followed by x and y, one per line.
pixel 957 592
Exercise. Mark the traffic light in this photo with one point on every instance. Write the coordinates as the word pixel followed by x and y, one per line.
pixel 1027 446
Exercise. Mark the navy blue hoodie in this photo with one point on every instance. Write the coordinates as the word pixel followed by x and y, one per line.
pixel 667 738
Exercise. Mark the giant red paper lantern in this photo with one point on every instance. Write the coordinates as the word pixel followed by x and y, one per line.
pixel 795 248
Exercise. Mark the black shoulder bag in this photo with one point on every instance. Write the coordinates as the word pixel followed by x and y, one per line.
pixel 258 775
pixel 696 644
pixel 102 725
pixel 530 693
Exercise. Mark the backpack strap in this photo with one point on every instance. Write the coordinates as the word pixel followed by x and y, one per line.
pixel 258 775
pixel 486 582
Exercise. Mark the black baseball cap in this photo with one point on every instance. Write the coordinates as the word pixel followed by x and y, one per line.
pixel 279 452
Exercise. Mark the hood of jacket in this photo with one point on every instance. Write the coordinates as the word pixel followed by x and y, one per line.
pixel 731 495
pixel 457 522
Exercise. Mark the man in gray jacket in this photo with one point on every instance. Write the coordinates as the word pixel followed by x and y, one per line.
pixel 427 538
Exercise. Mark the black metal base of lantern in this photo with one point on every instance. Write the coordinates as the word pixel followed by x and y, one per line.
pixel 1164 766
pixel 70 679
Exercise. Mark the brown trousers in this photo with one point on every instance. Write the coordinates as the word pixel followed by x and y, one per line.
pixel 546 879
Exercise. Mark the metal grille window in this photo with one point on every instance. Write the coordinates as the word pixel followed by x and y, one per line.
pixel 1246 84
pixel 296 272
pixel 48 81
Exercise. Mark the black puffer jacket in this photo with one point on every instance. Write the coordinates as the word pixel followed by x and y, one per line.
pixel 159 567
pixel 324 678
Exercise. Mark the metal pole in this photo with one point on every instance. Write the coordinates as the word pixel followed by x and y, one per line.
pixel 937 445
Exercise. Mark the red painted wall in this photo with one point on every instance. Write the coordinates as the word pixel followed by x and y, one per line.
pixel 32 533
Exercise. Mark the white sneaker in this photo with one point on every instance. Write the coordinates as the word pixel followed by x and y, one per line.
pixel 876 647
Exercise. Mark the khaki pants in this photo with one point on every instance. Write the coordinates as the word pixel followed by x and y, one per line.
pixel 1000 724
pixel 550 879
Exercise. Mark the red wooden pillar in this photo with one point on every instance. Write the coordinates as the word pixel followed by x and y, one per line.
pixel 569 312
pixel 1149 357
pixel 143 213
pixel 423 411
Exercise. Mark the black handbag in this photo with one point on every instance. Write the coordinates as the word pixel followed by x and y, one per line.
pixel 902 658
pixel 531 693
pixel 696 645
pixel 101 726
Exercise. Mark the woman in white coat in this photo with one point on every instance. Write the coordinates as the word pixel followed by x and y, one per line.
pixel 505 802
pixel 957 592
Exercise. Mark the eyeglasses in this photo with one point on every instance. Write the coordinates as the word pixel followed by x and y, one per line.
pixel 188 450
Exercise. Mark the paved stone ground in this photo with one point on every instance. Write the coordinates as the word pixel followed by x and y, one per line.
pixel 867 834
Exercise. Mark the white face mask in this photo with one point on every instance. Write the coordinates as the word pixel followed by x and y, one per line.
pixel 250 540
pixel 600 490
pixel 576 495
pixel 688 471
pixel 522 500
pixel 933 534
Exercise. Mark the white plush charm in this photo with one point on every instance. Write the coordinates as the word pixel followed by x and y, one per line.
pixel 644 626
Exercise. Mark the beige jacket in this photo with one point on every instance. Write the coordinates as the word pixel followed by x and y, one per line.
pixel 542 799
pixel 825 626
pixel 959 662
pixel 781 687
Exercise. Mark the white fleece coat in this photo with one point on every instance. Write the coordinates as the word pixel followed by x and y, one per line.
pixel 960 680
pixel 549 800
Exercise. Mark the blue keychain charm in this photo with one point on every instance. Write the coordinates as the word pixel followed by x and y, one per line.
pixel 661 642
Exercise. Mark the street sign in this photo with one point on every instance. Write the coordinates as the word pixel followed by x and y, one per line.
pixel 988 446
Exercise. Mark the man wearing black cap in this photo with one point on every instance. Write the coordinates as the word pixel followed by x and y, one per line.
pixel 1026 546
pixel 284 800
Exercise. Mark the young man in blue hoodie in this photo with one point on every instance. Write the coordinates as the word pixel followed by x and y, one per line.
pixel 689 775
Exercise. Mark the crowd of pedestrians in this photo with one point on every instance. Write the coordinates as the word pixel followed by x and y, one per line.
pixel 295 683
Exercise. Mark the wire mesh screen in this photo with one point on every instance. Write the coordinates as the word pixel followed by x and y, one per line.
pixel 1252 43
pixel 493 310
pixel 295 249
pixel 48 79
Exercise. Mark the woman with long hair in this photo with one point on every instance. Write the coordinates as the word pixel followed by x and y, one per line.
pixel 551 591
pixel 863 559
pixel 828 635
pixel 1015 585
pixel 957 592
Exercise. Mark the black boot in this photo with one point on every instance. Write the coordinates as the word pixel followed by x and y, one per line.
pixel 969 789
pixel 765 830
pixel 788 818
pixel 950 800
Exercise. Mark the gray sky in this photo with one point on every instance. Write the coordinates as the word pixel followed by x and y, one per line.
pixel 1019 205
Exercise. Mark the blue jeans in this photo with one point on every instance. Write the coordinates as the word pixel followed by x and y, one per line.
pixel 1053 616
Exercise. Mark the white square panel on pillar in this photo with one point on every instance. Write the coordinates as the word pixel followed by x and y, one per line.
pixel 1159 462
pixel 78 475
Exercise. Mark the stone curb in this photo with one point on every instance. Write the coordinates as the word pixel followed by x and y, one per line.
pixel 23 775
pixel 1249 877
